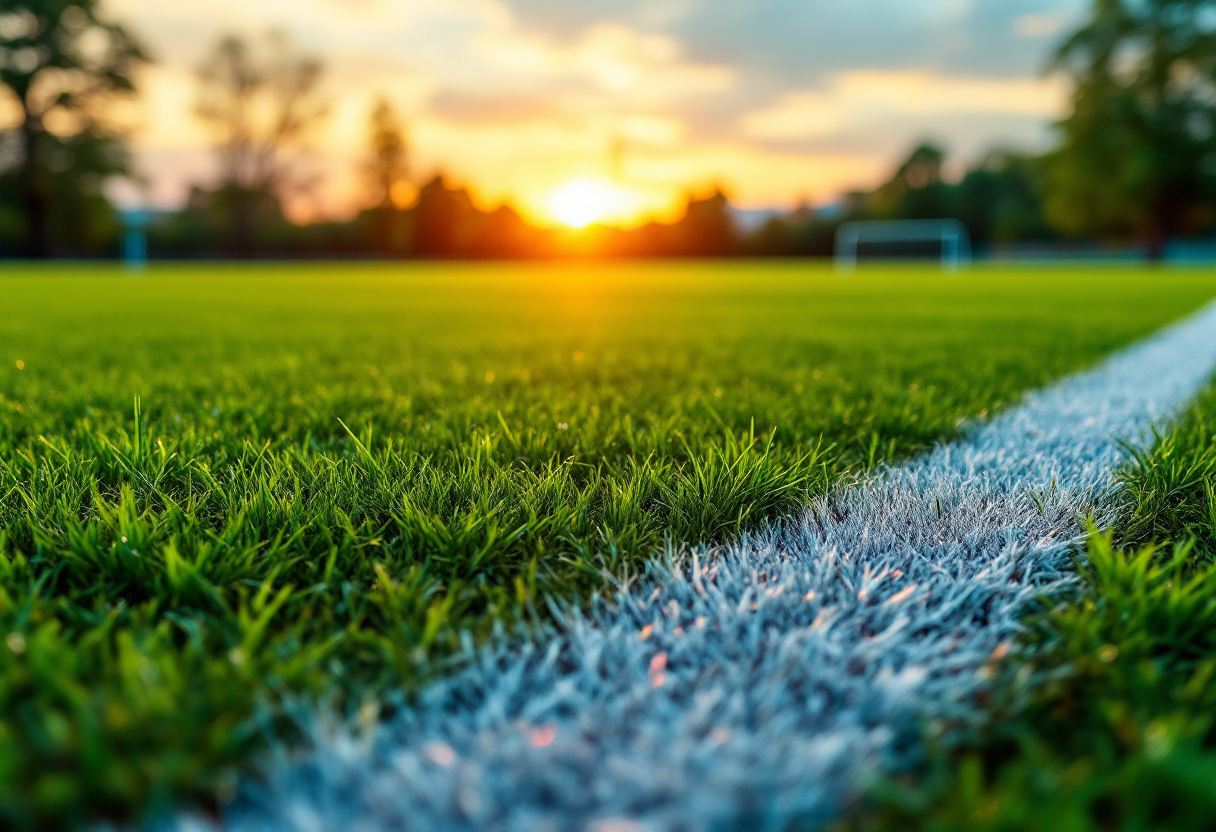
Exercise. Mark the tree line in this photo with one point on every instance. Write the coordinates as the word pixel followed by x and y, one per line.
pixel 1135 158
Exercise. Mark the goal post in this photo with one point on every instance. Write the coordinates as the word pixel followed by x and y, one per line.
pixel 903 239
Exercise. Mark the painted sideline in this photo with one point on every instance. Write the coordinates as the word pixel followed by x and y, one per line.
pixel 759 686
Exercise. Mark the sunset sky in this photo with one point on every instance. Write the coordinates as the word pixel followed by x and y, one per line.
pixel 775 100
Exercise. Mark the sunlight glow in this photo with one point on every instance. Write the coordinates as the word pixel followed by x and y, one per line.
pixel 588 200
pixel 584 201
pixel 578 202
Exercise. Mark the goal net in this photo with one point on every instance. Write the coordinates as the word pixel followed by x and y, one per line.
pixel 943 240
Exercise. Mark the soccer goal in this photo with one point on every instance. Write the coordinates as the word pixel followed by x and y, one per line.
pixel 944 240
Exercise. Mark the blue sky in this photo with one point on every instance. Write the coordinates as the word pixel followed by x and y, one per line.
pixel 775 100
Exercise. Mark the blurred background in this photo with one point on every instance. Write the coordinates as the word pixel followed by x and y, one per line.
pixel 547 128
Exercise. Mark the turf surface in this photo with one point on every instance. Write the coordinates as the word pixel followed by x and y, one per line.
pixel 1106 721
pixel 331 472
pixel 759 686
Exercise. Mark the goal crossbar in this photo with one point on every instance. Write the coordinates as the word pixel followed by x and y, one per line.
pixel 951 234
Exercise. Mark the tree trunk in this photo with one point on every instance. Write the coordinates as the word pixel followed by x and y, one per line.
pixel 33 201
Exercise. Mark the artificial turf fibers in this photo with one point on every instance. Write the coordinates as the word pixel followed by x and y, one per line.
pixel 222 487
pixel 1104 721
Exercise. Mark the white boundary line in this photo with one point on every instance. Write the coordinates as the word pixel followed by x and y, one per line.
pixel 761 686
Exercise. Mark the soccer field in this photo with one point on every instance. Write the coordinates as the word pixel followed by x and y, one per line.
pixel 332 471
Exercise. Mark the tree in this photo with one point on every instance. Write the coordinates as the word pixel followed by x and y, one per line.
pixel 62 62
pixel 387 167
pixel 1139 149
pixel 446 222
pixel 916 191
pixel 999 200
pixel 258 110
pixel 386 170
pixel 707 228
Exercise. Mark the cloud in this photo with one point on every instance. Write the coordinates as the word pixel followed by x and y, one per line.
pixel 809 39
pixel 797 115
pixel 874 96
pixel 472 108
pixel 777 98
pixel 612 59
pixel 755 177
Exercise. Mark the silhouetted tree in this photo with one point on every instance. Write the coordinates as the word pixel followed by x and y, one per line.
pixel 258 108
pixel 61 60
pixel 387 167
pixel 1000 199
pixel 505 234
pixel 386 171
pixel 1138 153
pixel 707 228
pixel 916 191
pixel 801 233
pixel 445 220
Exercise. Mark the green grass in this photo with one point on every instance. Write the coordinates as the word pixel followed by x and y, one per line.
pixel 1113 726
pixel 221 487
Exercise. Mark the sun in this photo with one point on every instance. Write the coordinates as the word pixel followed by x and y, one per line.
pixel 584 201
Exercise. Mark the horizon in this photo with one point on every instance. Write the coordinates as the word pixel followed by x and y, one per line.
pixel 615 113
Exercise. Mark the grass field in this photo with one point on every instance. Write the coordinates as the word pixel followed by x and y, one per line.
pixel 224 486
pixel 1107 719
